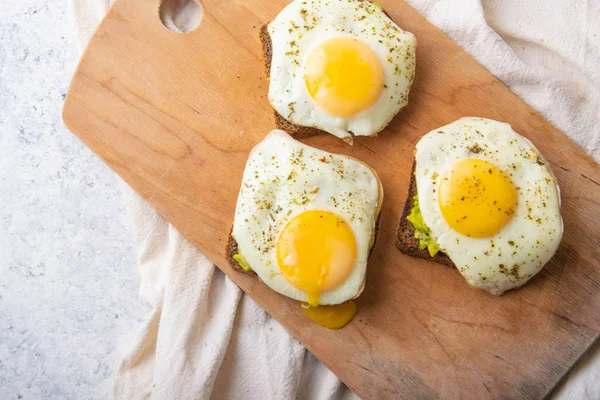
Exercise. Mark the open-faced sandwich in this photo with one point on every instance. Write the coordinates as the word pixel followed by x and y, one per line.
pixel 305 223
pixel 482 199
pixel 339 66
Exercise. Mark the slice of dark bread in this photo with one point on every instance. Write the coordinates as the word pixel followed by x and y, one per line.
pixel 232 248
pixel 406 241
pixel 297 131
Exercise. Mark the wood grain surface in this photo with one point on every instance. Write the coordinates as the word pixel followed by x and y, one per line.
pixel 176 115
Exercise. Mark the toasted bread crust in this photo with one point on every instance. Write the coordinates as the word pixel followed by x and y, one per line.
pixel 232 247
pixel 406 241
pixel 231 250
pixel 297 131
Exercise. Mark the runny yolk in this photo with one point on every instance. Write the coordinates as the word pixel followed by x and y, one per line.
pixel 476 198
pixel 316 252
pixel 331 317
pixel 343 76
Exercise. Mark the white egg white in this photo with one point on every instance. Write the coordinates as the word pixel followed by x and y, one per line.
pixel 284 178
pixel 303 25
pixel 520 249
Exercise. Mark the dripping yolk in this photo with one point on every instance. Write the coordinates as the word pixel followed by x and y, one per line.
pixel 476 198
pixel 316 252
pixel 331 317
pixel 343 76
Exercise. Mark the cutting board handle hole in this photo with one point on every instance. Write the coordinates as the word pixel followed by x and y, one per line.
pixel 180 16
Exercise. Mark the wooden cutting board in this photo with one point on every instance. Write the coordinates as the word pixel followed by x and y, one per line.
pixel 176 115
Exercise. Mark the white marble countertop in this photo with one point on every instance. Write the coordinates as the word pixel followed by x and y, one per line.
pixel 68 281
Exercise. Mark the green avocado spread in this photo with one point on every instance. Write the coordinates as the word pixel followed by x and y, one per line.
pixel 242 261
pixel 422 232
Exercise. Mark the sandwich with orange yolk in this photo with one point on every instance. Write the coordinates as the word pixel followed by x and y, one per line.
pixel 482 199
pixel 305 223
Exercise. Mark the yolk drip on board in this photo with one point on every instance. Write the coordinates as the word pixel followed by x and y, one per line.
pixel 316 252
pixel 477 199
pixel 331 317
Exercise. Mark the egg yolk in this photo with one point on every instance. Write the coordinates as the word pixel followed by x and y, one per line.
pixel 343 76
pixel 316 252
pixel 331 317
pixel 477 199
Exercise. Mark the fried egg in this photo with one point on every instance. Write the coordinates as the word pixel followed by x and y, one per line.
pixel 305 221
pixel 490 202
pixel 340 66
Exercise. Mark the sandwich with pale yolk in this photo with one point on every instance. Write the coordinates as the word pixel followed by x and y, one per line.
pixel 306 222
pixel 337 66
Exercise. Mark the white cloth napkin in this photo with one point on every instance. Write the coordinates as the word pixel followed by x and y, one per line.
pixel 205 338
